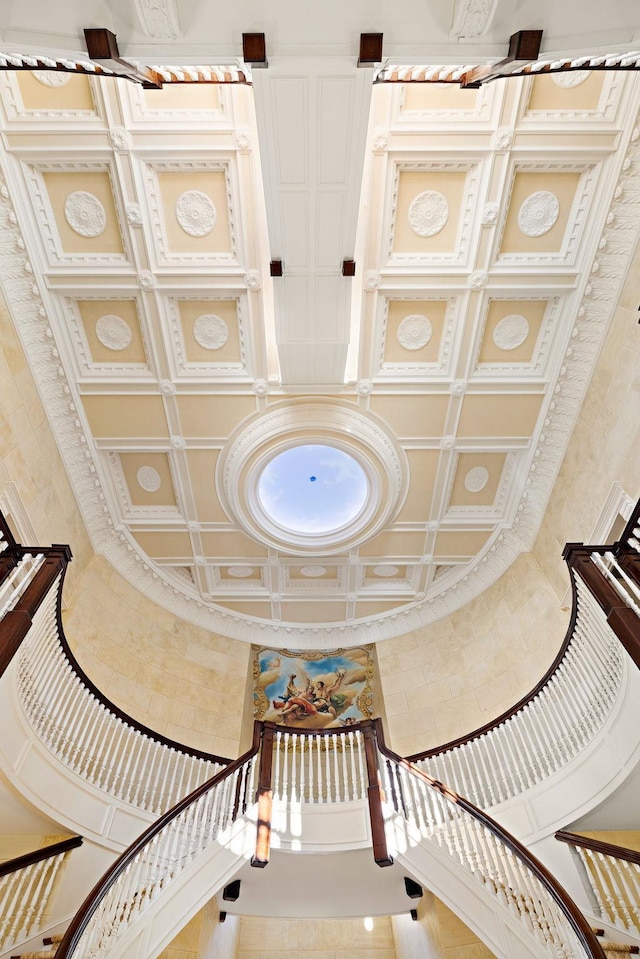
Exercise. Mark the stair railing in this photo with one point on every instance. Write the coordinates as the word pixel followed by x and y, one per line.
pixel 612 573
pixel 27 887
pixel 159 856
pixel 78 724
pixel 486 851
pixel 611 875
pixel 89 734
pixel 546 729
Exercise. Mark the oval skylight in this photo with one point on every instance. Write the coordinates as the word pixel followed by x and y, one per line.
pixel 313 489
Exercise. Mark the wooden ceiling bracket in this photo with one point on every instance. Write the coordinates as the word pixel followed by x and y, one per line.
pixel 524 47
pixel 370 49
pixel 102 48
pixel 254 50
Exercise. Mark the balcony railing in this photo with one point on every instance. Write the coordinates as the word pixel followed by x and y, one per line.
pixel 27 888
pixel 502 869
pixel 542 733
pixel 78 724
pixel 611 875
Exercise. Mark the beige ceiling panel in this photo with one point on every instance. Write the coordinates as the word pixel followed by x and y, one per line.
pixel 259 609
pixel 296 574
pixel 165 544
pixel 213 415
pixel 225 310
pixel 255 576
pixel 96 316
pixel 126 416
pixel 438 96
pixel 135 467
pixel 60 187
pixel 202 472
pixel 230 544
pixel 394 544
pixel 548 96
pixel 213 185
pixel 313 612
pixel 183 98
pixel 423 465
pixel 399 310
pixel 511 330
pixel 507 414
pixel 460 543
pixel 413 414
pixel 374 609
pixel 73 94
pixel 563 186
pixel 487 470
pixel 411 185
pixel 373 578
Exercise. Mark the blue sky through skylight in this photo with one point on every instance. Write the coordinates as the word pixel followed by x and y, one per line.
pixel 312 489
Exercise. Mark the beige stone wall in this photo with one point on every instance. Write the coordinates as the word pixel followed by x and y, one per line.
pixel 262 938
pixel 455 675
pixel 605 445
pixel 183 681
pixel 452 677
pixel 458 941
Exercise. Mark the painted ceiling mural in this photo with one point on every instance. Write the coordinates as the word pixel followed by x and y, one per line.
pixel 495 228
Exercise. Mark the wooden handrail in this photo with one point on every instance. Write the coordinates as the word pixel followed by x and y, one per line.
pixel 579 924
pixel 526 699
pixel 596 845
pixel 39 855
pixel 15 625
pixel 104 884
pixel 129 720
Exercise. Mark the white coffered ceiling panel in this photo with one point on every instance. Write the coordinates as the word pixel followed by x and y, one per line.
pixel 491 231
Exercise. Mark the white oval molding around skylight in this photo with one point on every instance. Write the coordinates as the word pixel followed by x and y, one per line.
pixel 312 476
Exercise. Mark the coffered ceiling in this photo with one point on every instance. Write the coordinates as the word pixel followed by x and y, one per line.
pixel 494 227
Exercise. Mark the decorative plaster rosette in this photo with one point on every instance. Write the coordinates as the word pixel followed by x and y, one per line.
pixel 511 332
pixel 476 479
pixel 256 442
pixel 196 213
pixel 148 479
pixel 385 571
pixel 414 332
pixel 428 213
pixel 313 571
pixel 570 78
pixel 240 572
pixel 85 214
pixel 51 78
pixel 113 332
pixel 538 213
pixel 210 331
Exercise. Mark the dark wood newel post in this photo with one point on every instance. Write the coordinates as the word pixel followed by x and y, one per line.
pixel 375 796
pixel 620 617
pixel 15 624
pixel 264 798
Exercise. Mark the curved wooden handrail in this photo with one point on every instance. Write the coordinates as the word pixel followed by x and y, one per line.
pixel 517 707
pixel 102 887
pixel 578 922
pixel 39 855
pixel 596 845
pixel 129 720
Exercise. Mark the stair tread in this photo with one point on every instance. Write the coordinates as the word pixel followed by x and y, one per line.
pixel 43 954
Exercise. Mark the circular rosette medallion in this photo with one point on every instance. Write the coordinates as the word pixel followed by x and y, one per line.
pixel 196 213
pixel 428 213
pixel 538 213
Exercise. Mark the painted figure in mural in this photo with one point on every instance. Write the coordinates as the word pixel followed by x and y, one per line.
pixel 317 698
